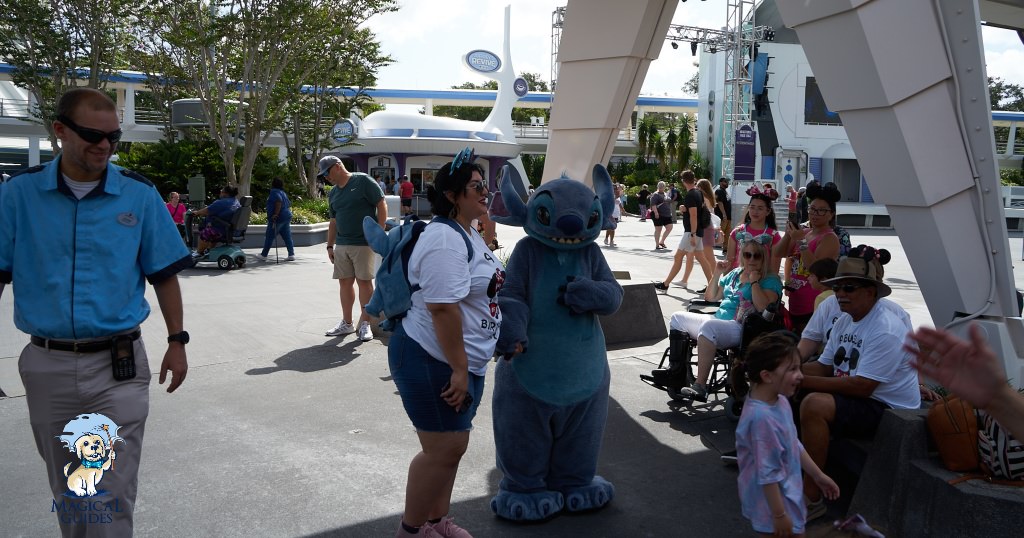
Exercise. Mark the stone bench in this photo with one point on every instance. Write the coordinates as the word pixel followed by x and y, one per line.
pixel 903 488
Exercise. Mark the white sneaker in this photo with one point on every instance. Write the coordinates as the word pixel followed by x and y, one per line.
pixel 290 258
pixel 365 334
pixel 262 256
pixel 343 327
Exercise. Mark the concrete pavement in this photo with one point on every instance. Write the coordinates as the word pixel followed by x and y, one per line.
pixel 280 431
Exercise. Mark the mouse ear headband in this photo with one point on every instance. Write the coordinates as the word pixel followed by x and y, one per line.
pixel 761 239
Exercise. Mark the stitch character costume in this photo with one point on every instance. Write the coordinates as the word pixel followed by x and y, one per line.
pixel 551 401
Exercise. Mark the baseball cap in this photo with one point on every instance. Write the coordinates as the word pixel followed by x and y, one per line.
pixel 326 163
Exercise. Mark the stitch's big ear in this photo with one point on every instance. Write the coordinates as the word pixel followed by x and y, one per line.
pixel 603 188
pixel 375 236
pixel 507 206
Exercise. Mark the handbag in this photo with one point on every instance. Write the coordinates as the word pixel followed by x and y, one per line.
pixel 953 425
pixel 1001 456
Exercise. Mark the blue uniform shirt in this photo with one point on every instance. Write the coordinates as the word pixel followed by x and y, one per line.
pixel 78 265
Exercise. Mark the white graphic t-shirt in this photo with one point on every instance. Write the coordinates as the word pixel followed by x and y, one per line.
pixel 873 348
pixel 438 265
pixel 825 316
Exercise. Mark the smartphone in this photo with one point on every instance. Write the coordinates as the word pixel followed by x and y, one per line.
pixel 466 402
pixel 795 219
pixel 122 358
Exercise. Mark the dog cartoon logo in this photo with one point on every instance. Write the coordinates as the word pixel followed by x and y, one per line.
pixel 91 438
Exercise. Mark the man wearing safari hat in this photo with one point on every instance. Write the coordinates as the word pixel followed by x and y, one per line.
pixel 864 369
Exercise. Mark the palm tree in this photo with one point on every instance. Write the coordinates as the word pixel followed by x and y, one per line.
pixel 671 142
pixel 652 136
pixel 642 128
pixel 685 139
pixel 659 153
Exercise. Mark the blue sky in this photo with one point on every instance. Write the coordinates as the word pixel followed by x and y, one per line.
pixel 427 38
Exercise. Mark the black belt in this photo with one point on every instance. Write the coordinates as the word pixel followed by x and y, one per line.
pixel 91 346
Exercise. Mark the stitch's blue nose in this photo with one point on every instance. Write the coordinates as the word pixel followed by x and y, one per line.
pixel 569 224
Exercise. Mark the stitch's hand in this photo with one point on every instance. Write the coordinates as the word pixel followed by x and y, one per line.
pixel 563 289
pixel 519 349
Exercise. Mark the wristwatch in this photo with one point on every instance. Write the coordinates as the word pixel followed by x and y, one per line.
pixel 180 337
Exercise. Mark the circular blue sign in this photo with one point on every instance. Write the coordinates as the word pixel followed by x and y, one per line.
pixel 483 61
pixel 521 87
pixel 343 131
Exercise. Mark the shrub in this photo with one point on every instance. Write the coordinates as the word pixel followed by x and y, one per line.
pixel 299 216
pixel 317 206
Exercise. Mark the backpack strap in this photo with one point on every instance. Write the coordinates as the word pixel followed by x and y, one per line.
pixel 462 232
pixel 417 230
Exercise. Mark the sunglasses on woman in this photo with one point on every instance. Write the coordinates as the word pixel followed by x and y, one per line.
pixel 752 255
pixel 92 136
pixel 477 186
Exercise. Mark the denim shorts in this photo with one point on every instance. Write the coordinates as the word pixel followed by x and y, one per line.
pixel 420 379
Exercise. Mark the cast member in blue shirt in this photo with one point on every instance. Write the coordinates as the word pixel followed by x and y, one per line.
pixel 78 235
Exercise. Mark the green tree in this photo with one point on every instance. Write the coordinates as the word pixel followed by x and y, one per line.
pixel 480 113
pixel 686 125
pixel 534 166
pixel 643 128
pixel 660 153
pixel 58 45
pixel 671 145
pixel 1005 95
pixel 241 58
pixel 691 87
pixel 332 90
pixel 652 137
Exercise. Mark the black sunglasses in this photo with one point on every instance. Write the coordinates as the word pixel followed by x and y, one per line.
pixel 477 186
pixel 847 288
pixel 92 136
pixel 756 255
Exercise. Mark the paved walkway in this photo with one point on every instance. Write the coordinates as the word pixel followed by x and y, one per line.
pixel 280 431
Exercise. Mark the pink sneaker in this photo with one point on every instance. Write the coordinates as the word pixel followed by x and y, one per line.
pixel 426 531
pixel 447 528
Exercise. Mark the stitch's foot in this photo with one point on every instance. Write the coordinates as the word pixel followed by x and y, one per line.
pixel 590 497
pixel 527 506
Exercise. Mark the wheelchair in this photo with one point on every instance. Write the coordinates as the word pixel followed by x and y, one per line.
pixel 678 366
pixel 227 252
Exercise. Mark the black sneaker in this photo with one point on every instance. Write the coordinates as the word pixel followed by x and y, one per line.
pixel 729 456
pixel 702 290
pixel 695 391
pixel 660 286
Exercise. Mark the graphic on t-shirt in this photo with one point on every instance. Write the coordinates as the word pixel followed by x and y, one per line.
pixel 840 358
pixel 91 438
pixel 497 280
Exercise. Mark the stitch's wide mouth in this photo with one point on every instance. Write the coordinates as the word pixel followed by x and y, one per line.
pixel 567 240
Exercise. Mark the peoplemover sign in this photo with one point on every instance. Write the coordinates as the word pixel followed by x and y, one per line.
pixel 483 61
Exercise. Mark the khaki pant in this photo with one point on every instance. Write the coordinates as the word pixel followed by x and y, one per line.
pixel 60 386
pixel 726 230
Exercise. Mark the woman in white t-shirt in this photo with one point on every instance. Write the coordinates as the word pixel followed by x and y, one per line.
pixel 439 352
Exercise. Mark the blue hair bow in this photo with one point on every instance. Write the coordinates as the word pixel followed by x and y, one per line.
pixel 761 239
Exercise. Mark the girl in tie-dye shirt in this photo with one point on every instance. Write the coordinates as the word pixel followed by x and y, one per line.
pixel 769 453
